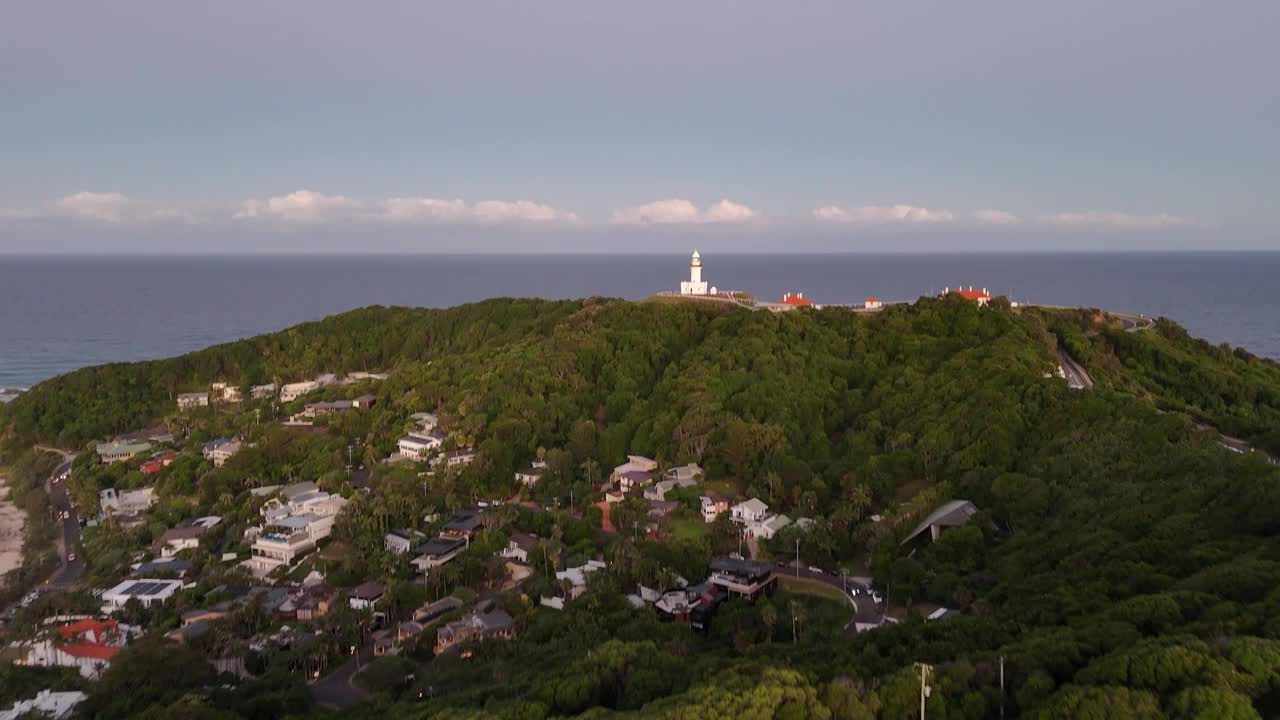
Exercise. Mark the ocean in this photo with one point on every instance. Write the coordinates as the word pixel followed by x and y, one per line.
pixel 61 313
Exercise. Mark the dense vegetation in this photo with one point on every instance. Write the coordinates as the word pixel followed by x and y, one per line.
pixel 1123 564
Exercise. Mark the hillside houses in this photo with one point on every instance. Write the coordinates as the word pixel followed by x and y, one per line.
pixel 292 527
pixel 418 445
pixel 88 645
pixel 756 520
pixel 485 622
pixel 121 450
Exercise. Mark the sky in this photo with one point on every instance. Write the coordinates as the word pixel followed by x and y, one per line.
pixel 585 126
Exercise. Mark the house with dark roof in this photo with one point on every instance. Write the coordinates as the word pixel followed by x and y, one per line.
pixel 437 551
pixel 949 515
pixel 519 547
pixel 485 622
pixel 365 595
pixel 464 524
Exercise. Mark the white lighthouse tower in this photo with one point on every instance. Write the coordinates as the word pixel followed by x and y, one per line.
pixel 695 285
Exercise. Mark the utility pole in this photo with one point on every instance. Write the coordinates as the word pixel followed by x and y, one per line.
pixel 925 690
pixel 797 557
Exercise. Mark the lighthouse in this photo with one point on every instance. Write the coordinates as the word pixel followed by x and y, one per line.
pixel 695 285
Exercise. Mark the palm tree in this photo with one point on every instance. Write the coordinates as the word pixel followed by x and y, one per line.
pixel 769 615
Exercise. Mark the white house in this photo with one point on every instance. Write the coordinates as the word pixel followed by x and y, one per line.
pixel 455 458
pixel 519 547
pixel 416 446
pixel 529 476
pixel 87 645
pixel 684 475
pixel 750 511
pixel 262 392
pixel 768 527
pixel 695 285
pixel 872 304
pixel 293 527
pixel 126 502
pixel 577 578
pixel 187 401
pixel 659 490
pixel 292 391
pixel 402 540
pixel 146 591
pixel 220 450
pixel 175 540
pixel 712 504
pixel 366 595
pixel 634 463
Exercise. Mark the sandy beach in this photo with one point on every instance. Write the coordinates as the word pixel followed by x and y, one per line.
pixel 11 523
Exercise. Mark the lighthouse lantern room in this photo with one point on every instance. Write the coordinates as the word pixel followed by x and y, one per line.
pixel 695 284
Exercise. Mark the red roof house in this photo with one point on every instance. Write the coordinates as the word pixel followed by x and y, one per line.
pixel 796 299
pixel 982 297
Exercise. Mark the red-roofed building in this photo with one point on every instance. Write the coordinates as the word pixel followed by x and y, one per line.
pixel 872 304
pixel 796 299
pixel 155 465
pixel 982 297
pixel 87 645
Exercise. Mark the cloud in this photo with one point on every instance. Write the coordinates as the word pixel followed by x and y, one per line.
pixel 676 211
pixel 108 207
pixel 300 206
pixel 423 208
pixel 996 217
pixel 518 211
pixel 883 214
pixel 1118 220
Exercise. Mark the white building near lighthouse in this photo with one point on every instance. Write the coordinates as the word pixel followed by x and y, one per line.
pixel 695 285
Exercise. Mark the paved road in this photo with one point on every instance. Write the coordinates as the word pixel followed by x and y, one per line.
pixel 66 576
pixel 337 689
pixel 855 588
pixel 1077 376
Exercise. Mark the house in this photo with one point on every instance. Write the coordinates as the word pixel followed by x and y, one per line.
pixel 177 567
pixel 126 502
pixel 119 450
pixel 148 591
pixel 156 464
pixel 389 641
pixel 577 577
pixel 365 595
pixel 289 492
pixel 745 578
pixel 311 603
pixel 87 645
pixel 659 490
pixel 220 450
pixel 292 391
pixel 158 434
pixel 682 603
pixel 175 540
pixel 464 524
pixel 872 303
pixel 485 622
pixel 765 529
pixel 632 479
pixel 952 514
pixel 750 511
pixel 262 392
pixel 981 297
pixel 684 475
pixel 317 409
pixel 796 299
pixel 519 547
pixel 293 527
pixel 437 552
pixel 401 541
pixel 614 496
pixel 46 704
pixel 425 421
pixel 713 503
pixel 455 458
pixel 634 463
pixel 191 400
pixel 416 446
pixel 364 402
pixel 356 376
pixel 530 476
pixel 227 393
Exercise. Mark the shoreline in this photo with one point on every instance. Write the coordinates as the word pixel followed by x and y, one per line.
pixel 12 524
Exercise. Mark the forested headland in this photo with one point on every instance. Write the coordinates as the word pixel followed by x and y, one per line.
pixel 1123 562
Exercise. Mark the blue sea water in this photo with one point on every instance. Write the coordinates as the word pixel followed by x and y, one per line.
pixel 62 313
